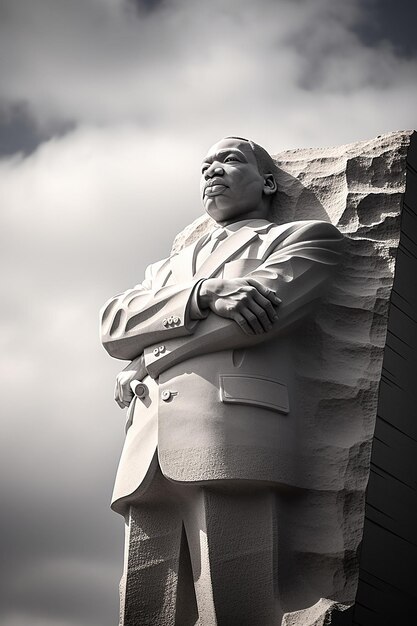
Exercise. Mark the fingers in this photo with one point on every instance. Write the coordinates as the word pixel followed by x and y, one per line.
pixel 262 321
pixel 252 319
pixel 258 321
pixel 117 395
pixel 266 305
pixel 265 291
pixel 250 304
pixel 122 393
pixel 243 323
pixel 127 401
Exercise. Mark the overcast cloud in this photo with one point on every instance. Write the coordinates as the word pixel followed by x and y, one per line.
pixel 106 109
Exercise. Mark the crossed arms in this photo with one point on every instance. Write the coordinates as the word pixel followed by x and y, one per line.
pixel 231 313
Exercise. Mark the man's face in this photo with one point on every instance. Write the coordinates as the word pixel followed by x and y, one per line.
pixel 231 185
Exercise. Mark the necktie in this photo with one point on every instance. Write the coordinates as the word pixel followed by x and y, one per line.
pixel 211 244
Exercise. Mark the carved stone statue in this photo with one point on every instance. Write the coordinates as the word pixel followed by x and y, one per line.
pixel 213 468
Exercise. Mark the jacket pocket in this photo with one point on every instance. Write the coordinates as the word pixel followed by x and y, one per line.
pixel 254 390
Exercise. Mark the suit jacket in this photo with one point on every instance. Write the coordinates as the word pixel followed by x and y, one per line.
pixel 220 405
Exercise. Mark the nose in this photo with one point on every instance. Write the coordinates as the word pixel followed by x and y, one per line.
pixel 213 170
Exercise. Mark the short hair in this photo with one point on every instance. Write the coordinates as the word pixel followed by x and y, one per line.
pixel 267 165
pixel 265 162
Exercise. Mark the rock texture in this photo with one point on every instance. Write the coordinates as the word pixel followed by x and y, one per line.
pixel 359 187
pixel 387 592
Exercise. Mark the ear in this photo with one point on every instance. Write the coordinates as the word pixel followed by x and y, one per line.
pixel 270 184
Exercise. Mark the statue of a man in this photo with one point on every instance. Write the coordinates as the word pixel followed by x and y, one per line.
pixel 212 425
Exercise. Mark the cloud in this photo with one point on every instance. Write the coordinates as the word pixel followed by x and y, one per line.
pixel 82 216
pixel 80 224
pixel 18 618
pixel 270 68
pixel 390 22
pixel 122 99
pixel 74 587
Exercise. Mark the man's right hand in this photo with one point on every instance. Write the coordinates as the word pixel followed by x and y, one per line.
pixel 244 300
pixel 123 393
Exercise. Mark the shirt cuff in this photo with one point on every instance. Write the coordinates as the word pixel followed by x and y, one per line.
pixel 195 312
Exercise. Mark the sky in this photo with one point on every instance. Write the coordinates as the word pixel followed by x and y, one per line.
pixel 107 108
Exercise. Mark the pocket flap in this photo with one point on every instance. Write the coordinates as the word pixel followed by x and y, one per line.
pixel 254 390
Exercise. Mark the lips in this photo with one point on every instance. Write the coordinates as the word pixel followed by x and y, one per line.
pixel 214 188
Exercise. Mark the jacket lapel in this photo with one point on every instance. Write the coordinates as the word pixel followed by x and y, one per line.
pixel 183 264
pixel 161 276
pixel 227 249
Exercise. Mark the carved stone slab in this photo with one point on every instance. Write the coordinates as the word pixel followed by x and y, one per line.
pixel 359 187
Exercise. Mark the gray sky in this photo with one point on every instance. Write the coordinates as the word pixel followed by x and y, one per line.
pixel 106 109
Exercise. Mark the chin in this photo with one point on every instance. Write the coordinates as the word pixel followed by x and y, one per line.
pixel 221 217
pixel 225 213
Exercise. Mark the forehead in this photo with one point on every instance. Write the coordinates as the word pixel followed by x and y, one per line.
pixel 230 145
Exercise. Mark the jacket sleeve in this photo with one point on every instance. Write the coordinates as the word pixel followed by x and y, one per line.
pixel 146 315
pixel 298 268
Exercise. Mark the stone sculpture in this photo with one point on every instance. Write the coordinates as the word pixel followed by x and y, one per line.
pixel 252 389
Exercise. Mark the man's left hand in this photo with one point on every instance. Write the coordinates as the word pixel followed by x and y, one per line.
pixel 245 300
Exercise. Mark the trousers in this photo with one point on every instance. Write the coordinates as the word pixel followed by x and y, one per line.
pixel 201 554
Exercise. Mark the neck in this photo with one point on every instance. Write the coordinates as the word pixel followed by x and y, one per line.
pixel 251 215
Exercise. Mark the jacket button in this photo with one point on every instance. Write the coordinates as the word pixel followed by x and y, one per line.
pixel 166 395
pixel 165 323
pixel 170 320
pixel 156 351
pixel 161 349
pixel 176 320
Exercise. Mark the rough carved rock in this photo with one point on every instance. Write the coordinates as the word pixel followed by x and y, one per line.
pixel 360 188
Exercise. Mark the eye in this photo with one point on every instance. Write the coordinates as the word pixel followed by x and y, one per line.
pixel 231 158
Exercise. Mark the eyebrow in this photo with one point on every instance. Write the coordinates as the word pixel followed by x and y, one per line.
pixel 224 152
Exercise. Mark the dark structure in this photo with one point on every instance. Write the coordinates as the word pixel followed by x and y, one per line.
pixel 387 590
